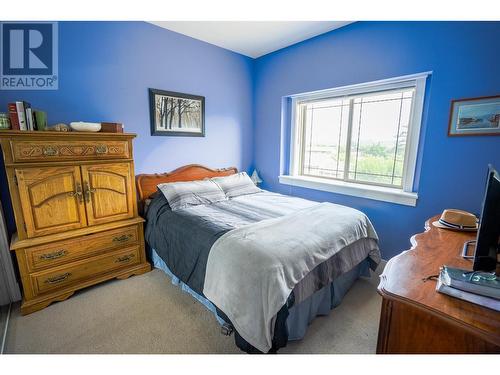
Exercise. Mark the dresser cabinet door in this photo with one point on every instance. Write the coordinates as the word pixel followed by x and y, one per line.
pixel 108 192
pixel 51 199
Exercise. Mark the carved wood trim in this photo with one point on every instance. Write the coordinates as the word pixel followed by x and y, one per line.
pixel 28 150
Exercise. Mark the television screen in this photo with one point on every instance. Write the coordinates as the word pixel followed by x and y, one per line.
pixel 488 235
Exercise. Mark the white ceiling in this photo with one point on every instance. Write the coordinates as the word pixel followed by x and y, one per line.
pixel 251 38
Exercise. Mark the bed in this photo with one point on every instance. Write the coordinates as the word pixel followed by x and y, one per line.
pixel 184 243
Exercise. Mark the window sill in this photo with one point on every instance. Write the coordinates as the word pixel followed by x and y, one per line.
pixel 357 190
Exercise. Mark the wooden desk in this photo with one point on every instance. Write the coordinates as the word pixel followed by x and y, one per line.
pixel 417 319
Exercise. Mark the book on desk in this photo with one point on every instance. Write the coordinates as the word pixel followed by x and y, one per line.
pixel 479 288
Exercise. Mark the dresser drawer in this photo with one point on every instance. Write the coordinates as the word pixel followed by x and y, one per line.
pixel 62 252
pixel 30 151
pixel 66 275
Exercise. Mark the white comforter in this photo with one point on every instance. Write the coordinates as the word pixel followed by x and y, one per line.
pixel 252 270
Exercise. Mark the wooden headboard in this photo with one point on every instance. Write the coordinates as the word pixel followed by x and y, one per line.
pixel 146 183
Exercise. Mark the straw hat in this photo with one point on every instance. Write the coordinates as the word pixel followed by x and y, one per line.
pixel 457 220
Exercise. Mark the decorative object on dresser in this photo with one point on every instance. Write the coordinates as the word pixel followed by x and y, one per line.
pixel 174 113
pixel 460 220
pixel 111 127
pixel 74 202
pixel 81 126
pixel 60 127
pixel 4 121
pixel 23 117
pixel 41 120
pixel 415 318
pixel 481 288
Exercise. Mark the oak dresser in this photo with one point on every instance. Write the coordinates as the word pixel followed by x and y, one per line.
pixel 417 319
pixel 74 201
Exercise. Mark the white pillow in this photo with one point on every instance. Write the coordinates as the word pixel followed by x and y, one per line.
pixel 236 185
pixel 191 193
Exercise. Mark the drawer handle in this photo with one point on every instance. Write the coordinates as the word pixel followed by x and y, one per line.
pixel 54 255
pixel 58 278
pixel 50 151
pixel 88 191
pixel 77 193
pixel 125 258
pixel 122 238
pixel 101 149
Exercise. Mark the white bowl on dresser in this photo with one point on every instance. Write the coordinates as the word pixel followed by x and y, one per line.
pixel 81 126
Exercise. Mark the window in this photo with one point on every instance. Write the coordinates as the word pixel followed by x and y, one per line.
pixel 359 140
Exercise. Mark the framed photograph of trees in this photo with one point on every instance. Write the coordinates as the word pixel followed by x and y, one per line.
pixel 176 114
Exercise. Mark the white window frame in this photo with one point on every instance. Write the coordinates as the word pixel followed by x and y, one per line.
pixel 405 195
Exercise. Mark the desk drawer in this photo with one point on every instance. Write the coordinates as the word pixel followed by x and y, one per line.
pixel 62 252
pixel 30 151
pixel 66 275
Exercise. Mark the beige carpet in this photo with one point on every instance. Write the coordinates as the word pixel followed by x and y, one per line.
pixel 147 314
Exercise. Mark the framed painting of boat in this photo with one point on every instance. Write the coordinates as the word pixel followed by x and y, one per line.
pixel 475 116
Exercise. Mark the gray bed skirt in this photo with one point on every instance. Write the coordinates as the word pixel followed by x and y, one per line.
pixel 324 300
pixel 301 315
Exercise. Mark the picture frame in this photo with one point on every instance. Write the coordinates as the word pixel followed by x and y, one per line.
pixel 176 114
pixel 475 116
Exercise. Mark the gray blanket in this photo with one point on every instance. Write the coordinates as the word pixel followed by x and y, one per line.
pixel 251 270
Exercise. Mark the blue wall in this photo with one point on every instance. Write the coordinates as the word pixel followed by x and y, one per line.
pixel 464 60
pixel 106 68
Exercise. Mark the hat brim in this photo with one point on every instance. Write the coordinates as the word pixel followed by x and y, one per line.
pixel 439 225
